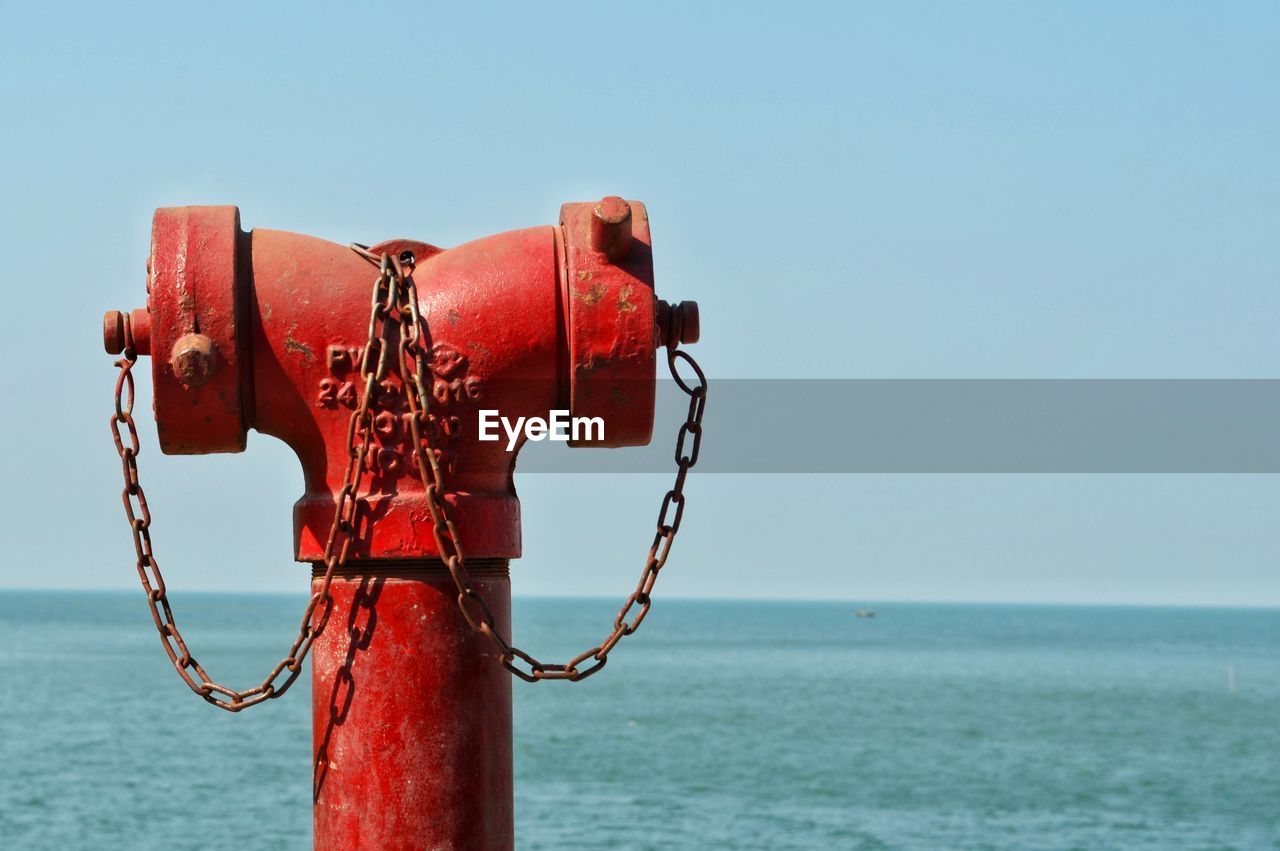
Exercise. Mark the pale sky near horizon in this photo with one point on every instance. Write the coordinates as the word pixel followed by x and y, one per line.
pixel 848 190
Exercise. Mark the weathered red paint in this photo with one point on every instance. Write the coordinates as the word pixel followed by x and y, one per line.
pixel 194 285
pixel 264 330
pixel 612 326
pixel 411 718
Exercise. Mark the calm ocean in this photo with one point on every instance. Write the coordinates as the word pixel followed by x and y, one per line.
pixel 722 725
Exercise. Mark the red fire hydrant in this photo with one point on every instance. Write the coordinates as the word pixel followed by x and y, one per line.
pixel 278 332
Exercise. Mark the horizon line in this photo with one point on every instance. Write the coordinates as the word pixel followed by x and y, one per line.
pixel 862 601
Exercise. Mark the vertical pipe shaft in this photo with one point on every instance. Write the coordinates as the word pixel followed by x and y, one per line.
pixel 411 713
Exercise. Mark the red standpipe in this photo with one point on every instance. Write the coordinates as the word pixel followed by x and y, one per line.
pixel 265 330
pixel 411 718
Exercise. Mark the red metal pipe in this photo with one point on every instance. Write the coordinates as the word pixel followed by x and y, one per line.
pixel 411 727
pixel 265 330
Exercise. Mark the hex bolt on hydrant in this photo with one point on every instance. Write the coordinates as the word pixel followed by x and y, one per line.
pixel 373 365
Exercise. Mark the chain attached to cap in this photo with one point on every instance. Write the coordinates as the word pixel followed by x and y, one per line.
pixel 397 274
pixel 394 295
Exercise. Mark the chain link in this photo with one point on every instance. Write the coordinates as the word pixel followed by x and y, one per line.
pixel 393 292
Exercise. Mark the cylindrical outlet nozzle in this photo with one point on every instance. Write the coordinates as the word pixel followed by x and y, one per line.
pixel 115 338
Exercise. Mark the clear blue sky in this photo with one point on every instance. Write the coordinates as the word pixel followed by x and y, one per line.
pixel 890 190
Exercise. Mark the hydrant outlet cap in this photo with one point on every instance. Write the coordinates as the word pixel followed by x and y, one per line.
pixel 113 332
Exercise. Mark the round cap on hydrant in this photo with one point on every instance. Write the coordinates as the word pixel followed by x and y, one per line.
pixel 677 323
pixel 113 332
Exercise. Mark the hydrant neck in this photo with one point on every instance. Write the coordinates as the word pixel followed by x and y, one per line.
pixel 411 715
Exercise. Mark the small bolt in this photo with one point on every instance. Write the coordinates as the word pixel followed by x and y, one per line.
pixel 192 359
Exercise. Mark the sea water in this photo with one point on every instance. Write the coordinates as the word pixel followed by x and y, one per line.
pixel 719 725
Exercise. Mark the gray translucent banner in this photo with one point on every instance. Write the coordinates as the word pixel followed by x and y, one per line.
pixel 955 426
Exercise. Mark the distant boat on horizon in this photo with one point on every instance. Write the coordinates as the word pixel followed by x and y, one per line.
pixel 865 613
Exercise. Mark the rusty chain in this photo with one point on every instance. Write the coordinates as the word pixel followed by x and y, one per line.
pixel 397 271
pixel 393 291
pixel 336 548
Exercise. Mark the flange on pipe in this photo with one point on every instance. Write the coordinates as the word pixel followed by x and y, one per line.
pixel 267 329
